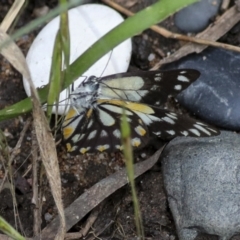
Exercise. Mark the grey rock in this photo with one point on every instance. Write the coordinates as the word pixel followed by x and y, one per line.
pixel 215 96
pixel 202 181
pixel 197 16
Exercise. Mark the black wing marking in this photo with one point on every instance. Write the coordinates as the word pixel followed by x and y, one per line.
pixel 173 125
pixel 98 129
pixel 151 87
pixel 164 123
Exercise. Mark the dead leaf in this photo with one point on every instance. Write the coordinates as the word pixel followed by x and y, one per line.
pixel 45 139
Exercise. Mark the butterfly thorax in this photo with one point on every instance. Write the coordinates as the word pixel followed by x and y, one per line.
pixel 85 95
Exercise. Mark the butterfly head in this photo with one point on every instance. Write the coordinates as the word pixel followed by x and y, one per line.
pixel 85 94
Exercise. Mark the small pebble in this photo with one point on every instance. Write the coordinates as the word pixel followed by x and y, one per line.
pixel 151 57
pixel 48 217
pixel 197 16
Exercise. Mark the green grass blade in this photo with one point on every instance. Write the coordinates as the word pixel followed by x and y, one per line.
pixel 132 26
pixel 9 230
pixel 128 155
pixel 61 57
pixel 55 76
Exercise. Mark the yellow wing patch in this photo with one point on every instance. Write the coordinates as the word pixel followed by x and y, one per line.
pixel 140 130
pixel 119 147
pixel 136 142
pixel 67 132
pixel 102 148
pixel 71 113
pixel 89 113
pixel 84 150
pixel 70 148
pixel 130 105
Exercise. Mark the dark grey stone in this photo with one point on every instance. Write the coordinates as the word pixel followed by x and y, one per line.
pixel 197 16
pixel 215 96
pixel 202 181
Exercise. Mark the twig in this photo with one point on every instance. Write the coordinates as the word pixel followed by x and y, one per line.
pixel 90 221
pixel 218 29
pixel 15 150
pixel 13 155
pixel 19 143
pixel 92 218
pixel 101 231
pixel 168 34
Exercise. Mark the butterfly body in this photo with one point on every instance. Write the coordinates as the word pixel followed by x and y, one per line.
pixel 85 95
pixel 93 122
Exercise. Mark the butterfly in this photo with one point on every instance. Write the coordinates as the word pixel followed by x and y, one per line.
pixel 92 123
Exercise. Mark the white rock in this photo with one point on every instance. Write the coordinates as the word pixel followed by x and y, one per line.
pixel 87 23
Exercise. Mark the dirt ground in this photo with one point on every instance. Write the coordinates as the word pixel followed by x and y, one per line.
pixel 115 220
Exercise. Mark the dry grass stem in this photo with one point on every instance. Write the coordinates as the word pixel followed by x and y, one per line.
pixel 11 15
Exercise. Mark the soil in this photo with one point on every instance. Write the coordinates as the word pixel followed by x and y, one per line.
pixel 115 220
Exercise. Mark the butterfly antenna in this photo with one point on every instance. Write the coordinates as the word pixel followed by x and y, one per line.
pixel 106 64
